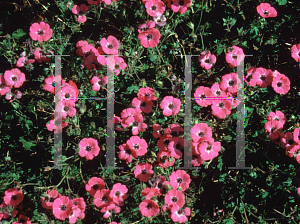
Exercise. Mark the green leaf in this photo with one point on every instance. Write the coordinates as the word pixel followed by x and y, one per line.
pixel 18 34
pixel 27 145
pixel 282 2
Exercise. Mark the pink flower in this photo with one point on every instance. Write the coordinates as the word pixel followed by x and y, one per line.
pixel 265 10
pixel 295 52
pixel 40 56
pixel 110 45
pixel 199 131
pixel 249 77
pixel 155 6
pixel 119 64
pixel 56 125
pixel 8 211
pixel 295 152
pixel 75 215
pixel 180 178
pixel 142 106
pixel 62 207
pixel 13 196
pixel 80 10
pixel 297 135
pixel 4 88
pixel 138 145
pixel 272 127
pixel 78 203
pixel 99 82
pixel 221 108
pixel 165 159
pixel 66 108
pixel 277 116
pixel 126 153
pixel 170 106
pixel 203 96
pixel 180 214
pixel 127 116
pixel 146 26
pixel 40 32
pixel 262 77
pixel 47 202
pixel 138 125
pixel 50 83
pixel 209 149
pixel 149 208
pixel 286 140
pixel 207 59
pixel 175 198
pixel 180 5
pixel 149 38
pixel 230 82
pixel 143 171
pixel 89 148
pixel 146 94
pixel 281 84
pixel 157 131
pixel 216 91
pixel 102 198
pixel 118 194
pixel 235 57
pixel 175 130
pixel 23 60
pixel 298 191
pixel 95 184
pixel 176 146
pixel 14 78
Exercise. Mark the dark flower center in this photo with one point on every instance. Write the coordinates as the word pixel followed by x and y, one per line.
pixel 117 66
pixel 105 199
pixel 290 141
pixel 2 85
pixel 166 142
pixel 66 108
pixel 203 96
pixel 221 105
pixel 14 197
pixel 174 134
pixel 181 2
pixel 63 207
pixel 263 78
pixel 75 203
pixel 95 186
pixel 51 199
pixel 279 84
pixel 266 13
pixel 299 54
pixel 144 171
pixel 149 206
pixel 143 104
pixel 128 151
pixel 178 146
pixel 40 32
pixel 149 36
pixel 234 56
pixel 201 134
pixel 208 148
pixel 273 129
pixel 118 193
pixel 67 95
pixel 163 159
pixel 207 60
pixel 100 82
pixel 110 46
pixel 171 106
pixel 218 92
pixel 136 146
pixel 14 78
pixel 231 83
pixel 22 221
pixel 174 199
pixel 179 180
pixel 88 148
pixel 135 123
pixel 195 157
pixel 153 8
pixel 159 185
pixel 147 95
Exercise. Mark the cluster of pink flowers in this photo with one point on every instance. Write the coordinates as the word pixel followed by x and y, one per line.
pixel 220 96
pixel 108 201
pixel 262 77
pixel 63 207
pixel 12 198
pixel 148 35
pixel 290 140
pixel 11 78
pixel 172 191
pixel 66 105
pixel 94 58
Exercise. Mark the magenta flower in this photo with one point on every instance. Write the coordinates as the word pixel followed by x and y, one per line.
pixel 117 65
pixel 281 84
pixel 146 94
pixel 23 60
pixel 50 84
pixel 99 82
pixel 14 78
pixel 230 82
pixel 56 125
pixel 262 77
pixel 180 178
pixel 143 171
pixel 47 202
pixel 180 5
pixel 110 45
pixel 66 108
pixel 102 198
pixel 80 10
pixel 180 214
pixel 146 26
pixel 40 56
pixel 4 88
pixel 221 108
pixel 154 7
pixel 126 153
pixel 149 38
pixel 89 148
pixel 235 57
pixel 118 194
pixel 209 149
pixel 175 198
pixel 207 59
pixel 200 131
pixel 62 207
pixel 170 106
pixel 137 145
pixel 149 208
pixel 40 32
pixel 272 127
pixel 95 184
pixel 295 53
pixel 297 135
pixel 13 196
pixel 203 96
pixel 142 106
pixel 265 10
pixel 277 116
pixel 127 116
pixel 138 125
pixel 216 91
pixel 249 77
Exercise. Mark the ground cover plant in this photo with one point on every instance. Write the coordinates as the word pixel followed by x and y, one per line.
pixel 150 42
